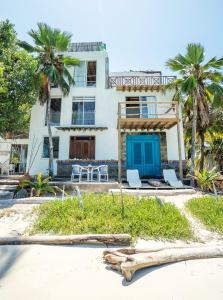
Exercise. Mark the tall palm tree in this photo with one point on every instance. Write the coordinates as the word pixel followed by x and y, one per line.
pixel 52 69
pixel 198 85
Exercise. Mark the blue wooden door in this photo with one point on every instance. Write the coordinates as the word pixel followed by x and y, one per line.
pixel 143 153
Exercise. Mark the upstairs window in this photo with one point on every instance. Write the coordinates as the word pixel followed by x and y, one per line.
pixel 83 111
pixel 55 147
pixel 55 111
pixel 85 74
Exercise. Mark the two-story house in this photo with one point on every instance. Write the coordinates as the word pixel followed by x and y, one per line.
pixel 121 119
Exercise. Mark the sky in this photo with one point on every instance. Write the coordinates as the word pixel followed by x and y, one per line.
pixel 139 34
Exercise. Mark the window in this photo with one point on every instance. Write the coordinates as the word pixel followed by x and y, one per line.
pixel 82 147
pixel 55 110
pixel 83 111
pixel 55 147
pixel 85 74
pixel 141 110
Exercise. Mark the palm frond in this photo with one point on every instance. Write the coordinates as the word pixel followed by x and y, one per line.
pixel 195 53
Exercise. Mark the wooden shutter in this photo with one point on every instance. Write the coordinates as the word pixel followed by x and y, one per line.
pixel 82 147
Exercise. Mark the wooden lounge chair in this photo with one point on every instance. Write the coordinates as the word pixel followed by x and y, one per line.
pixel 133 179
pixel 171 178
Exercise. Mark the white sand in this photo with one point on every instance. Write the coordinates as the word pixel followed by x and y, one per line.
pixel 59 272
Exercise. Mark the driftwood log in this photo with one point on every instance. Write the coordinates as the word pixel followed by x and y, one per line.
pixel 128 261
pixel 110 239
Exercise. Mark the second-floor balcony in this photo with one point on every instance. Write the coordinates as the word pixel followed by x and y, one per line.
pixel 137 83
pixel 145 115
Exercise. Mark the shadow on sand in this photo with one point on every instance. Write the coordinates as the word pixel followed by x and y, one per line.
pixel 8 256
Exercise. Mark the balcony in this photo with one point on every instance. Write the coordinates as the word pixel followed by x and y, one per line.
pixel 146 115
pixel 139 83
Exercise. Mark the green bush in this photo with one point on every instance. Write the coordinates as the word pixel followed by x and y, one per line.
pixel 143 217
pixel 209 210
pixel 207 179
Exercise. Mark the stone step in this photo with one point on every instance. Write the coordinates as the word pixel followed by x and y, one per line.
pixel 9 182
pixel 13 177
pixel 7 187
pixel 5 195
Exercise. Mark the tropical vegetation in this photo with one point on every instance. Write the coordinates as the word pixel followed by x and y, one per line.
pixel 52 68
pixel 209 210
pixel 199 89
pixel 206 179
pixel 17 91
pixel 101 213
pixel 38 186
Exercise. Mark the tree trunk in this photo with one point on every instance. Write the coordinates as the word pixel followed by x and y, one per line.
pixel 50 136
pixel 202 151
pixel 128 261
pixel 110 239
pixel 193 138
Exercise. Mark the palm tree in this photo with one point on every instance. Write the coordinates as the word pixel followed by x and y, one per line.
pixel 52 69
pixel 198 85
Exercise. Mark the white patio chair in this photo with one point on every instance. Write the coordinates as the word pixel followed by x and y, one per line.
pixel 171 178
pixel 78 171
pixel 102 171
pixel 133 179
pixel 11 169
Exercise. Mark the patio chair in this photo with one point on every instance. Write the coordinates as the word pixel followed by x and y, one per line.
pixel 133 179
pixel 79 171
pixel 171 178
pixel 100 172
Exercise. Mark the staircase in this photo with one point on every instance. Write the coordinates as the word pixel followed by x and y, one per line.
pixel 8 185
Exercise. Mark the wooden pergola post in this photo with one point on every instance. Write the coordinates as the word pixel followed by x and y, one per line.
pixel 119 146
pixel 179 142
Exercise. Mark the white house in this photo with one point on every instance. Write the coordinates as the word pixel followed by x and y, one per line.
pixel 108 118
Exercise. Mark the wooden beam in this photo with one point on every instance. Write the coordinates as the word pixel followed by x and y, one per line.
pixel 119 147
pixel 179 143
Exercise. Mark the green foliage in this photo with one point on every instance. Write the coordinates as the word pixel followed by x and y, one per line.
pixel 17 93
pixel 206 179
pixel 209 211
pixel 199 89
pixel 52 65
pixel 39 186
pixel 101 213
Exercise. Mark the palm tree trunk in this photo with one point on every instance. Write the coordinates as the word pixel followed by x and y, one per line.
pixel 202 151
pixel 50 136
pixel 193 138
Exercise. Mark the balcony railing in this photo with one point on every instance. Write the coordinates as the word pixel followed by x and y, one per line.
pixel 147 109
pixel 129 81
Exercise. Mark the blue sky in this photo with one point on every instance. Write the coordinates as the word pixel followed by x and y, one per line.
pixel 140 34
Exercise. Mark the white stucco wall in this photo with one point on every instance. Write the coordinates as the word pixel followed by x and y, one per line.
pixel 105 115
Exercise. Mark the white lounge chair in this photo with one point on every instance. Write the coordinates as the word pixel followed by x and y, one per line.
pixel 133 179
pixel 171 178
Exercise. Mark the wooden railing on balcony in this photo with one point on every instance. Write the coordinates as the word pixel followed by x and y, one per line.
pixel 147 115
pixel 139 82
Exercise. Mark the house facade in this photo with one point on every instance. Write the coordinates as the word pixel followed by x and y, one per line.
pixel 122 119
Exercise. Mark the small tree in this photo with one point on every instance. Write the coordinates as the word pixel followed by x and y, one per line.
pixel 17 91
pixel 52 68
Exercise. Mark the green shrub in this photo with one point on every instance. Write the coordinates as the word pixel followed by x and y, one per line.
pixel 102 214
pixel 207 179
pixel 209 211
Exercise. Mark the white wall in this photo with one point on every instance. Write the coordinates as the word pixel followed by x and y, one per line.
pixel 106 116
